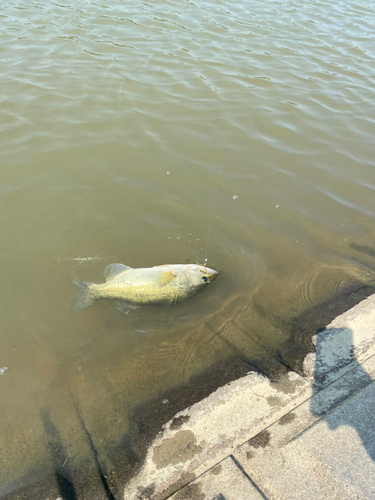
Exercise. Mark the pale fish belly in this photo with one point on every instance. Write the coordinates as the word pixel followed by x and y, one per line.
pixel 141 293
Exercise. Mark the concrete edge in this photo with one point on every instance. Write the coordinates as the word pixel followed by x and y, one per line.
pixel 198 438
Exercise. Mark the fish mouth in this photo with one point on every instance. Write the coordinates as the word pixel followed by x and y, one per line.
pixel 212 274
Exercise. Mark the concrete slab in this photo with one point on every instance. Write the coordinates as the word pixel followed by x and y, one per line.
pixel 200 437
pixel 305 456
pixel 347 341
pixel 225 481
pixel 305 415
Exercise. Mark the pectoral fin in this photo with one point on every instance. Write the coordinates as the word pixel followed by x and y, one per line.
pixel 165 278
pixel 124 307
pixel 113 270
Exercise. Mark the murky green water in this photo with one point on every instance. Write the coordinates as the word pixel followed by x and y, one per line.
pixel 153 133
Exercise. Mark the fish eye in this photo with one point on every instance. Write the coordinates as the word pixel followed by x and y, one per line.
pixel 204 279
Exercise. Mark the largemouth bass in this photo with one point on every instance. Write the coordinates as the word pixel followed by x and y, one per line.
pixel 159 285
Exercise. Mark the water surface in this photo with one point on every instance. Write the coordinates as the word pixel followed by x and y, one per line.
pixel 147 134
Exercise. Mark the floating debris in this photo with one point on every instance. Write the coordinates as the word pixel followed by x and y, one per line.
pixel 165 401
pixel 84 259
pixel 3 370
pixel 235 197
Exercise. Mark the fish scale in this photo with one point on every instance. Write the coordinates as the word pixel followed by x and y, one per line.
pixel 159 285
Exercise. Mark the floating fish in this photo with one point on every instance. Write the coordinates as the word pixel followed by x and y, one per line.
pixel 159 285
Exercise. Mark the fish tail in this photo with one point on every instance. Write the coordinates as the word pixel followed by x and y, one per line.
pixel 84 297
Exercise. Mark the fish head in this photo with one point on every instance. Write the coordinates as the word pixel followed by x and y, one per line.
pixel 200 276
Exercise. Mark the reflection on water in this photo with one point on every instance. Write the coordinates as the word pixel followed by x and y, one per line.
pixel 151 134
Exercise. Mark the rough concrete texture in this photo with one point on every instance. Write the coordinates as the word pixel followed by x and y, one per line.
pixel 302 440
pixel 347 341
pixel 323 403
pixel 225 481
pixel 333 459
pixel 200 437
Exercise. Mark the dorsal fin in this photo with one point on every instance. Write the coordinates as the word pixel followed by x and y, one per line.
pixel 165 278
pixel 114 270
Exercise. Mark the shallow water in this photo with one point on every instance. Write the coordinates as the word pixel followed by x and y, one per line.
pixel 166 133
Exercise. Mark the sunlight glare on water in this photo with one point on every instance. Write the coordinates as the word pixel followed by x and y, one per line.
pixel 160 133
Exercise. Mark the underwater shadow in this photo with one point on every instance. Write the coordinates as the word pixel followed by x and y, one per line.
pixel 334 358
pixel 58 456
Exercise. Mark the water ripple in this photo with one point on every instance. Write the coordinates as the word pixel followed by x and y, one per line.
pixel 147 133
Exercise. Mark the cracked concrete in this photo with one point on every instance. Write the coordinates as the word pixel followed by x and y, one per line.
pixel 216 425
pixel 297 437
